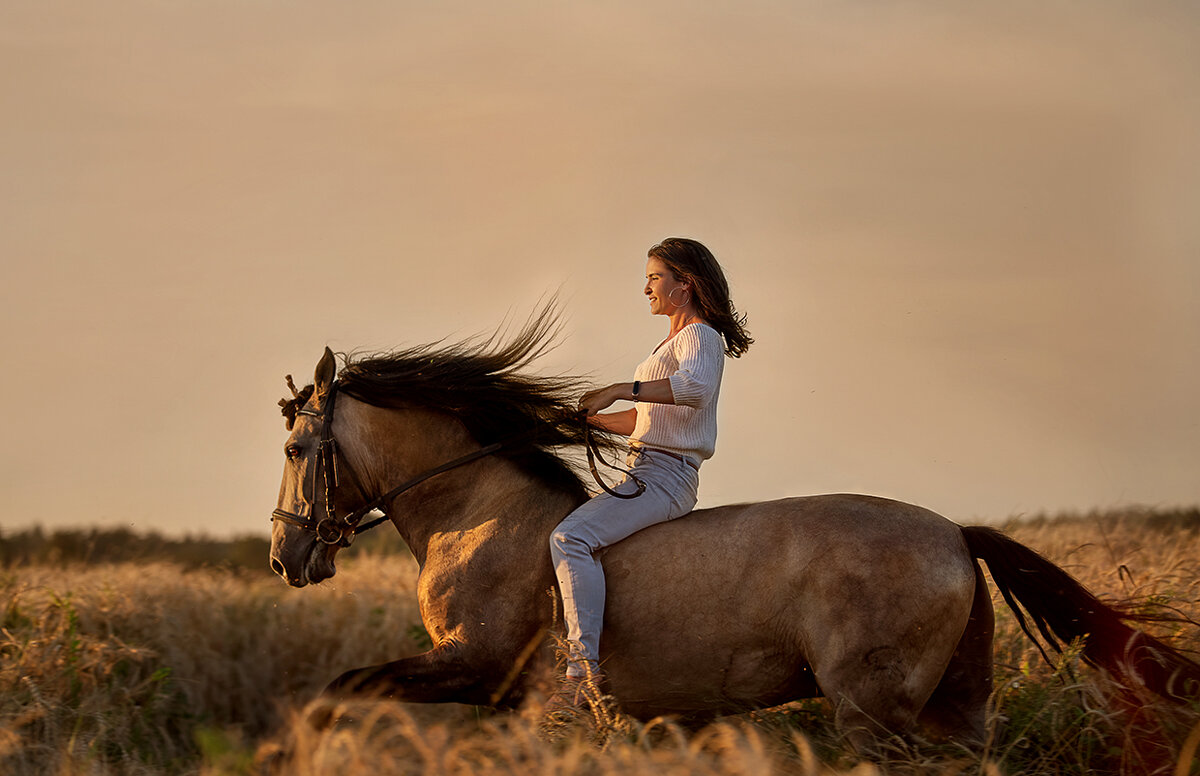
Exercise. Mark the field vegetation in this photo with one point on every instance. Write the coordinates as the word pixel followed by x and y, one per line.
pixel 169 663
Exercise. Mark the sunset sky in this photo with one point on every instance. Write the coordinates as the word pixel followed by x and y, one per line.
pixel 967 236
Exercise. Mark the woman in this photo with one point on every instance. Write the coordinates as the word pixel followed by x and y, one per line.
pixel 672 429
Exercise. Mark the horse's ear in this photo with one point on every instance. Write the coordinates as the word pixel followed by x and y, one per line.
pixel 326 371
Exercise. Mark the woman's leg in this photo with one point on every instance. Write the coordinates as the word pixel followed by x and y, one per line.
pixel 601 522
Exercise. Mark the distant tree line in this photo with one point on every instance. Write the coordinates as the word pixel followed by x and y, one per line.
pixel 69 546
pixel 1156 518
pixel 72 546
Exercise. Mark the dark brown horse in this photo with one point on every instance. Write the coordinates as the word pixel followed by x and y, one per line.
pixel 878 605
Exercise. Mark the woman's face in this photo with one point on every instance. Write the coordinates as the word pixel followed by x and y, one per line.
pixel 663 289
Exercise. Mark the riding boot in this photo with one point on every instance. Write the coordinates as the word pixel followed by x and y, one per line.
pixel 575 694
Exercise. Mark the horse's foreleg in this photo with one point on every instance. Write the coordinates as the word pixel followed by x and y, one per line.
pixel 438 676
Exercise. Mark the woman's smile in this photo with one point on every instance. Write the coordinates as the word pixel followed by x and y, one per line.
pixel 660 284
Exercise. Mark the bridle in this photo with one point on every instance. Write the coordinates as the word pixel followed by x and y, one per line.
pixel 330 529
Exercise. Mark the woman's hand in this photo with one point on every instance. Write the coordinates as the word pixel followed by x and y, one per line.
pixel 603 398
pixel 622 423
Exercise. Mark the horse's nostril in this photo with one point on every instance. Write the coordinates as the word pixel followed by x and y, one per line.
pixel 277 567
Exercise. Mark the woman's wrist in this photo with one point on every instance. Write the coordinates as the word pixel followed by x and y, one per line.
pixel 651 391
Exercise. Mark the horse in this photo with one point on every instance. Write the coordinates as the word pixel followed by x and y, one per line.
pixel 878 605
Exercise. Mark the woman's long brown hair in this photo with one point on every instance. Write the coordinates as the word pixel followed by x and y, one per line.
pixel 693 263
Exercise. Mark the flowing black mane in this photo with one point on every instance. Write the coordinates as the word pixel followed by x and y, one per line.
pixel 481 382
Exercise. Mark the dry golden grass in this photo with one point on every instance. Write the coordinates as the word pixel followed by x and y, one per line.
pixel 154 669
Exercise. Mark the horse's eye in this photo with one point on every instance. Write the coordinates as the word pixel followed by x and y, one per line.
pixel 292 451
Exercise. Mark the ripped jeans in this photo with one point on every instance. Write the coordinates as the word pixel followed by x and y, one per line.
pixel 605 520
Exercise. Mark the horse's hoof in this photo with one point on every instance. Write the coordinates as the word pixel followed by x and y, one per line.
pixel 321 714
pixel 272 759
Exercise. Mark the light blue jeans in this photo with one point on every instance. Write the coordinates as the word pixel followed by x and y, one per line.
pixel 605 520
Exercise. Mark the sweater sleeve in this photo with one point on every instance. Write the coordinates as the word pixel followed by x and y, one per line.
pixel 700 354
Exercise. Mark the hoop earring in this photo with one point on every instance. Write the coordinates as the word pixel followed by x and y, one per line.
pixel 684 303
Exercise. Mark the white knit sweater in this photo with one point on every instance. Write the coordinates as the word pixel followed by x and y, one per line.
pixel 693 360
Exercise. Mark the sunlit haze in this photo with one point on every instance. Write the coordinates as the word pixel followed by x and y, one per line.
pixel 967 236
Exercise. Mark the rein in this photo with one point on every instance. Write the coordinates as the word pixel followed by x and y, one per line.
pixel 332 530
pixel 589 442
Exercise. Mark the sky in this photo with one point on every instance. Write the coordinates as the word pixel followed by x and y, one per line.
pixel 965 235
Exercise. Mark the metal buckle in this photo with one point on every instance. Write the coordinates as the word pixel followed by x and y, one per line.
pixel 330 531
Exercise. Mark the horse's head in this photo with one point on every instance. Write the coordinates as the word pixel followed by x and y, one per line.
pixel 302 549
pixel 409 417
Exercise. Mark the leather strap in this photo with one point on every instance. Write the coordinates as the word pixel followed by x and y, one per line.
pixel 593 453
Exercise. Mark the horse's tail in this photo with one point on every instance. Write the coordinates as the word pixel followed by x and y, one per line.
pixel 1065 610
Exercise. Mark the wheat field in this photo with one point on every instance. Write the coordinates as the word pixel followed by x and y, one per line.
pixel 148 668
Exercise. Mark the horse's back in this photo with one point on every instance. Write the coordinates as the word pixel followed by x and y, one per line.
pixel 796 540
pixel 757 603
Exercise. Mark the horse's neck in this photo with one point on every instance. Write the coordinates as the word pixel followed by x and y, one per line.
pixel 490 497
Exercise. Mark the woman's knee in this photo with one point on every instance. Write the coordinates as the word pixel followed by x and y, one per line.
pixel 564 542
